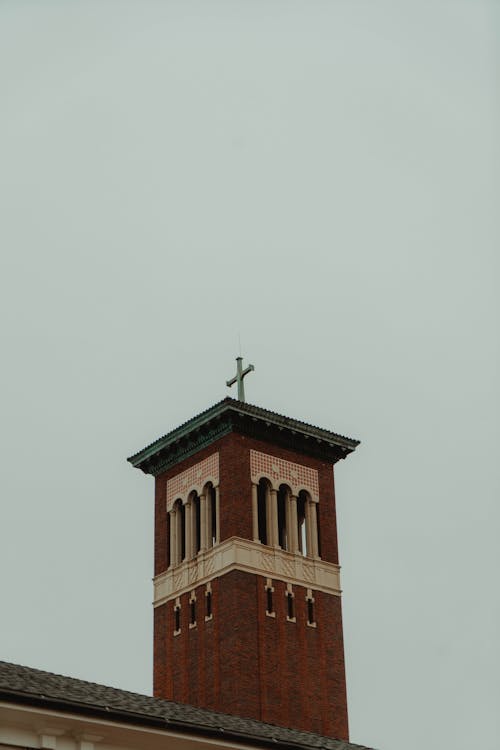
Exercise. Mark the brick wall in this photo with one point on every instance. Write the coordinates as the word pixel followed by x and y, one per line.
pixel 246 663
pixel 242 661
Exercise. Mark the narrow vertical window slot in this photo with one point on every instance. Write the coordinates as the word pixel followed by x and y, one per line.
pixel 269 599
pixel 290 604
pixel 177 617
pixel 192 610
pixel 311 621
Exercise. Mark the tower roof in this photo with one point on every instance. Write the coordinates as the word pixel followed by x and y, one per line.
pixel 230 415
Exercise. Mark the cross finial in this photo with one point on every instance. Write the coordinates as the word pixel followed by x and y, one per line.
pixel 238 378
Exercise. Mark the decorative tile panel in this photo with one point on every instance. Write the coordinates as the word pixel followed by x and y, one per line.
pixel 193 478
pixel 279 471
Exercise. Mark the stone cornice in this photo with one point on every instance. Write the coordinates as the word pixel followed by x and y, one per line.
pixel 252 557
pixel 236 416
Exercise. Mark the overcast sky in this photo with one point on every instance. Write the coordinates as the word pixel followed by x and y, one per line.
pixel 319 178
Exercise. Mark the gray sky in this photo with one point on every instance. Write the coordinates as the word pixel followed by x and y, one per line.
pixel 321 178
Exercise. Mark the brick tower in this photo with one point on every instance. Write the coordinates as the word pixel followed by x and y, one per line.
pixel 247 608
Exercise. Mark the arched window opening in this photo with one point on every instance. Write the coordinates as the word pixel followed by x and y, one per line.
pixel 196 523
pixel 177 530
pixel 302 501
pixel 283 513
pixel 213 516
pixel 170 539
pixel 262 491
pixel 318 529
pixel 182 531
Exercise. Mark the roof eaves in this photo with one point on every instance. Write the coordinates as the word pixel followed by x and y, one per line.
pixel 256 413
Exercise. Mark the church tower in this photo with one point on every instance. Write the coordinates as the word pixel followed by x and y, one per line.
pixel 247 607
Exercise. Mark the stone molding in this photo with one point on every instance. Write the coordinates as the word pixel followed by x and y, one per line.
pixel 251 557
pixel 279 471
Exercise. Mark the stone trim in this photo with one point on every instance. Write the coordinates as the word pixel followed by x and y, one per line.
pixel 251 557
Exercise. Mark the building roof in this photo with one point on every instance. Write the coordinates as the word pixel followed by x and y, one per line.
pixel 230 415
pixel 25 685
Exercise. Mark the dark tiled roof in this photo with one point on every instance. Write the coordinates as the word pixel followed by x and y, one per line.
pixel 267 420
pixel 26 685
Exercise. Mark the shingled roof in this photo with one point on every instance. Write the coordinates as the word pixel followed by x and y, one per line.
pixel 25 685
pixel 230 415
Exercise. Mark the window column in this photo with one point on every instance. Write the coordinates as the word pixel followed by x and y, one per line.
pixel 173 539
pixel 178 535
pixel 217 515
pixel 294 537
pixel 314 529
pixel 255 513
pixel 273 515
pixel 189 529
pixel 209 516
pixel 203 522
pixel 308 522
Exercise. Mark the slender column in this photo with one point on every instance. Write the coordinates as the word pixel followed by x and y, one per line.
pixel 309 528
pixel 274 518
pixel 178 534
pixel 288 522
pixel 269 516
pixel 210 531
pixel 314 530
pixel 217 515
pixel 189 529
pixel 203 522
pixel 294 536
pixel 173 551
pixel 255 513
pixel 193 528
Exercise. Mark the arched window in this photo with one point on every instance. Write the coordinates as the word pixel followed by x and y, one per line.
pixel 213 520
pixel 307 525
pixel 196 523
pixel 177 532
pixel 263 490
pixel 209 523
pixel 302 502
pixel 318 530
pixel 181 526
pixel 284 517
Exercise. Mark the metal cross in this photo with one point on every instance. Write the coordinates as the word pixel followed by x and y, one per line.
pixel 238 378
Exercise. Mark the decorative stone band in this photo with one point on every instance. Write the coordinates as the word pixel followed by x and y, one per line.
pixel 193 478
pixel 252 557
pixel 279 471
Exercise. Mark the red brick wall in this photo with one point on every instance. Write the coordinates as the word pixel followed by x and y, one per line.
pixel 245 663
